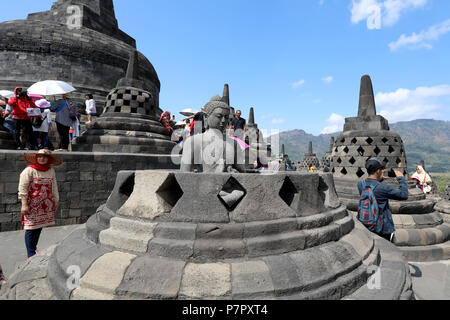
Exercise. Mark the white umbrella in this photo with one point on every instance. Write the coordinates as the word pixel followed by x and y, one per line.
pixel 50 88
pixel 6 94
pixel 188 112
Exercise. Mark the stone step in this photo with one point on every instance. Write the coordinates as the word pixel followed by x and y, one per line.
pixel 427 253
pixel 127 234
pixel 422 237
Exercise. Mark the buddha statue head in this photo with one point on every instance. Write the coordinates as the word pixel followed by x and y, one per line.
pixel 217 115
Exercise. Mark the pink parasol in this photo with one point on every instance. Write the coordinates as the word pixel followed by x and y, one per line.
pixel 241 143
pixel 35 97
pixel 165 113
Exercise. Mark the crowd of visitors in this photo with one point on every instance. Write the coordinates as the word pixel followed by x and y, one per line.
pixel 31 121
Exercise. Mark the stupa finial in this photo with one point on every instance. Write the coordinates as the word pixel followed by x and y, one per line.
pixel 366 98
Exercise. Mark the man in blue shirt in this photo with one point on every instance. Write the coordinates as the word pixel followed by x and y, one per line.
pixel 383 192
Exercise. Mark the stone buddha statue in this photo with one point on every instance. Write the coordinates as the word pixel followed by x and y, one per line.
pixel 212 151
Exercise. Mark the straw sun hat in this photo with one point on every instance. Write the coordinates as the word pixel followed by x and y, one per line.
pixel 31 157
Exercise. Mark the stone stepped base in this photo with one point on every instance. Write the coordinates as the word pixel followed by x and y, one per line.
pixel 427 253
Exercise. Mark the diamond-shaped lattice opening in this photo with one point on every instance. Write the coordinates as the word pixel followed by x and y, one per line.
pixel 333 171
pixel 336 150
pixel 346 150
pixel 343 140
pixel 398 161
pixel 377 151
pixel 360 173
pixel 127 186
pixel 352 160
pixel 289 192
pixel 386 161
pixel 402 151
pixel 369 141
pixel 354 140
pixel 170 191
pixel 344 171
pixel 339 160
pixel 232 194
pixel 391 149
pixel 385 140
pixel 361 151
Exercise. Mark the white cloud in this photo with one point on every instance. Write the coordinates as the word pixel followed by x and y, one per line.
pixel 278 121
pixel 321 2
pixel 328 79
pixel 335 124
pixel 406 105
pixel 423 39
pixel 380 13
pixel 298 84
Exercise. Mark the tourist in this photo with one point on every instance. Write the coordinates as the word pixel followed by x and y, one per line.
pixel 257 165
pixel 38 192
pixel 8 117
pixel 91 107
pixel 238 126
pixel 422 179
pixel 41 132
pixel 66 112
pixel 198 123
pixel 312 169
pixel 187 129
pixel 165 121
pixel 383 193
pixel 19 104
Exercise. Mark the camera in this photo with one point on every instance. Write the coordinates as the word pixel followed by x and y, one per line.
pixel 391 174
pixel 23 94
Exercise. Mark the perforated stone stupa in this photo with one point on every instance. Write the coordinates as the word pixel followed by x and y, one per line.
pixel 89 51
pixel 172 235
pixel 310 159
pixel 130 120
pixel 422 233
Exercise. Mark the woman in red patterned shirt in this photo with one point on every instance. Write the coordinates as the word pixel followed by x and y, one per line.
pixel 38 191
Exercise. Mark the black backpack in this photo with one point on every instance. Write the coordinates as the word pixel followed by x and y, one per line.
pixel 37 121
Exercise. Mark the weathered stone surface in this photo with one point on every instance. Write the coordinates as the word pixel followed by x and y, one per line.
pixel 104 276
pixel 154 194
pixel 128 234
pixel 197 191
pixel 251 279
pixel 206 281
pixel 151 278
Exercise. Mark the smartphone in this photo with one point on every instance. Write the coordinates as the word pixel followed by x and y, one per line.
pixel 391 174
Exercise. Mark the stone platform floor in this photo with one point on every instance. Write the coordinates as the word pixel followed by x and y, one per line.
pixel 431 281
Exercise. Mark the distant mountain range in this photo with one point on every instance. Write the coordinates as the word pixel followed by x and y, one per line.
pixel 427 140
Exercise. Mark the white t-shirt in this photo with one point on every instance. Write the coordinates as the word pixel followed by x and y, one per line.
pixel 47 117
pixel 91 107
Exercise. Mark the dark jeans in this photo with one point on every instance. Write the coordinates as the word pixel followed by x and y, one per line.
pixel 386 236
pixel 43 136
pixel 63 132
pixel 10 125
pixel 28 134
pixel 31 241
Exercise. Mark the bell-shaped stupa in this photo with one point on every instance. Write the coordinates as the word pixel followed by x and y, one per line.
pixel 310 159
pixel 421 232
pixel 77 41
pixel 130 120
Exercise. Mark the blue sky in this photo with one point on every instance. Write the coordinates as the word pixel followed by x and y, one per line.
pixel 298 62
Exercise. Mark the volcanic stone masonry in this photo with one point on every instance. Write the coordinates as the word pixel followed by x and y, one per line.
pixel 326 160
pixel 422 233
pixel 170 235
pixel 92 57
